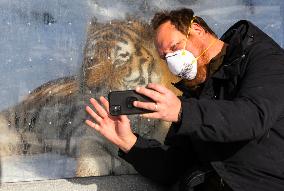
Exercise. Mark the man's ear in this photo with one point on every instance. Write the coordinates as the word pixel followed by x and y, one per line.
pixel 198 30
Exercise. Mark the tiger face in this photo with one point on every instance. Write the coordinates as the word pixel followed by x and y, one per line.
pixel 122 56
pixel 136 67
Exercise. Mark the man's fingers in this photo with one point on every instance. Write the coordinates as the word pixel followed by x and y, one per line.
pixel 154 95
pixel 93 114
pixel 146 105
pixel 124 118
pixel 100 110
pixel 157 87
pixel 93 125
pixel 151 115
pixel 105 103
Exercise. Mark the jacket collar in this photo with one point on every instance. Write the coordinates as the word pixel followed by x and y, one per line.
pixel 236 38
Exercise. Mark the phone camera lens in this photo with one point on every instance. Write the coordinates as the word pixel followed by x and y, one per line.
pixel 115 109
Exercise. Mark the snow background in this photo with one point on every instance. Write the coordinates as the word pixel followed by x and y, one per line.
pixel 42 40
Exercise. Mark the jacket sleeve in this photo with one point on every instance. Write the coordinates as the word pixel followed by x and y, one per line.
pixel 158 162
pixel 254 111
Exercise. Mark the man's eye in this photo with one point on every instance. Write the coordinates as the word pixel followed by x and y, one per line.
pixel 174 47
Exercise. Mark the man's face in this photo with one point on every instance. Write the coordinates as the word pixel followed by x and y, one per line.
pixel 168 39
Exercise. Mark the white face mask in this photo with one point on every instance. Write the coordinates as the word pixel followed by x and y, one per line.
pixel 182 63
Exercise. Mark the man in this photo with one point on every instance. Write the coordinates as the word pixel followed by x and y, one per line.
pixel 230 120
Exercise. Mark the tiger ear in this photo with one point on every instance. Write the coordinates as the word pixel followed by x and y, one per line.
pixel 139 25
pixel 133 20
pixel 94 21
pixel 129 17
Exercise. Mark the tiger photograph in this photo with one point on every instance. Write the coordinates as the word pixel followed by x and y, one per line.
pixel 118 55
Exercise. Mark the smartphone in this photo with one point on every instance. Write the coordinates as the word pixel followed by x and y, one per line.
pixel 121 102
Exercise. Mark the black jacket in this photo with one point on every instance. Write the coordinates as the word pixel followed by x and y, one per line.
pixel 236 124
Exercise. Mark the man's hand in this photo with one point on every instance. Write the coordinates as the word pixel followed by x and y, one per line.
pixel 167 104
pixel 115 128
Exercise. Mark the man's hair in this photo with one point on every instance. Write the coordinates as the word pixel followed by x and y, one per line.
pixel 181 19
